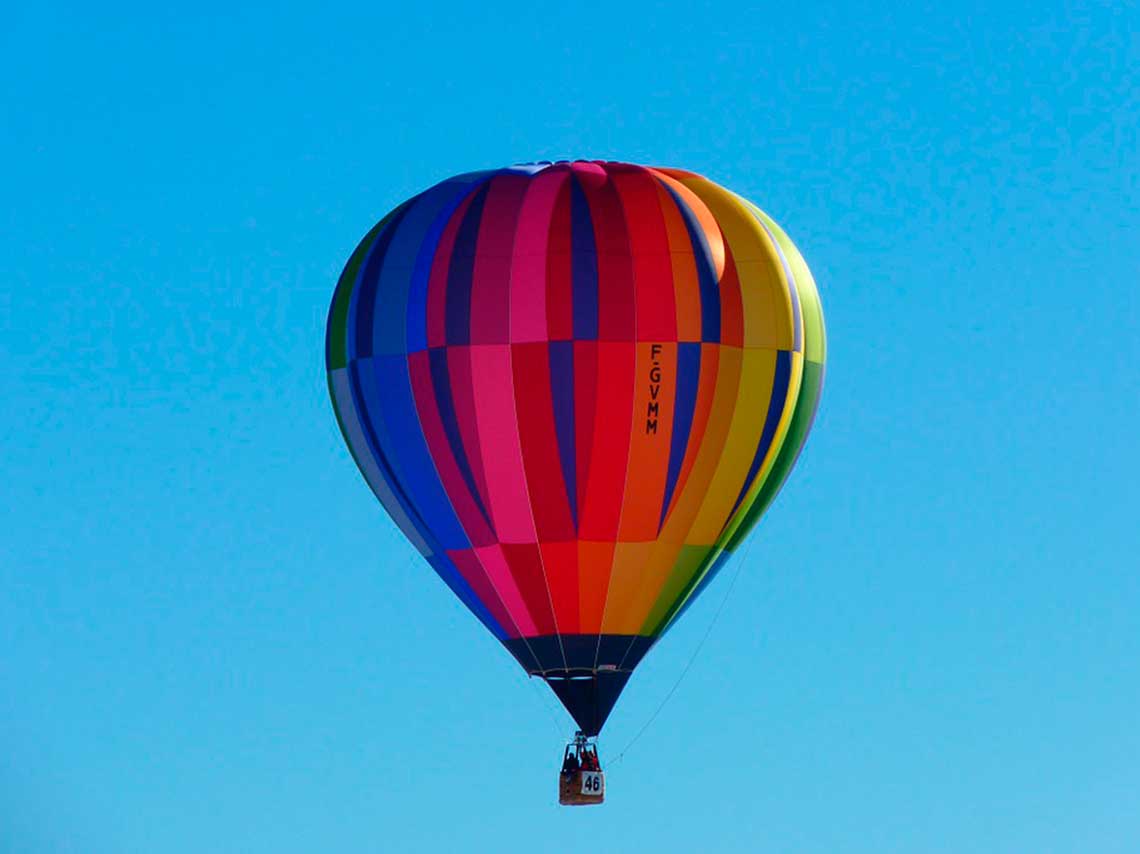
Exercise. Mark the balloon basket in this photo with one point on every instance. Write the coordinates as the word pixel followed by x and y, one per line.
pixel 581 781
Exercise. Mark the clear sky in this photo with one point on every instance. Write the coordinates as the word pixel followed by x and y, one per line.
pixel 213 640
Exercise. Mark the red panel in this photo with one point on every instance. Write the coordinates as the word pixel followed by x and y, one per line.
pixel 561 563
pixel 600 508
pixel 686 288
pixel 548 497
pixel 649 244
pixel 490 281
pixel 731 304
pixel 616 316
pixel 525 562
pixel 559 287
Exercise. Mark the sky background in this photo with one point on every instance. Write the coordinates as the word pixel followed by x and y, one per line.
pixel 213 639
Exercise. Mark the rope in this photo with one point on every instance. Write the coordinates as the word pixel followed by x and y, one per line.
pixel 551 712
pixel 692 658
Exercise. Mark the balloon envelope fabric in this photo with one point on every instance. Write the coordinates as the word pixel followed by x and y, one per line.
pixel 575 387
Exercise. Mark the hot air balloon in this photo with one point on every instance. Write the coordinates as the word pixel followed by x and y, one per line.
pixel 575 387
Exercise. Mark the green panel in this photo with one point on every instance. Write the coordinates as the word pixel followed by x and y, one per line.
pixel 690 563
pixel 806 404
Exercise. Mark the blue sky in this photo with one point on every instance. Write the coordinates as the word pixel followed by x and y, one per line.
pixel 211 638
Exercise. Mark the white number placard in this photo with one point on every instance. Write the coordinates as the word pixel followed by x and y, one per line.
pixel 592 783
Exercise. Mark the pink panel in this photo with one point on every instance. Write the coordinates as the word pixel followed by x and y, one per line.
pixel 528 270
pixel 498 571
pixel 492 382
pixel 463 398
pixel 473 572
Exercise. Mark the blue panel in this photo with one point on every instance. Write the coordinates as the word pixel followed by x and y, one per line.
pixel 363 305
pixel 706 273
pixel 445 403
pixel 583 266
pixel 562 393
pixel 421 273
pixel 776 406
pixel 457 311
pixel 684 403
pixel 389 314
pixel 360 380
pixel 362 449
pixel 390 406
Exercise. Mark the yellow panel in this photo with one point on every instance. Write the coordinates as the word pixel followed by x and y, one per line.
pixel 767 306
pixel 626 581
pixel 764 285
pixel 662 559
pixel 815 339
pixel 750 411
pixel 689 562
pixel 680 519
pixel 785 422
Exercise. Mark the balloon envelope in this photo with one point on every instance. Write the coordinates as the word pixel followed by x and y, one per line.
pixel 575 387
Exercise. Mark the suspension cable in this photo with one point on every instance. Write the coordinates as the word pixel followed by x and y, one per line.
pixel 692 658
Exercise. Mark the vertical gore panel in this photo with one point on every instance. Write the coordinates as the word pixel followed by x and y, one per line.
pixel 462 388
pixel 614 285
pixel 376 475
pixel 600 508
pixel 491 277
pixel 776 406
pixel 686 291
pixel 585 405
pixel 499 573
pixel 594 563
pixel 400 441
pixel 627 580
pixel 529 266
pixel 692 495
pixel 493 390
pixel 650 441
pixel 707 379
pixel 472 571
pixel 560 561
pixel 684 404
pixel 654 298
pixel 562 388
pixel 583 267
pixel 525 562
pixel 456 483
pixel 440 272
pixel 459 275
pixel 549 496
pixel 362 308
pixel 559 275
